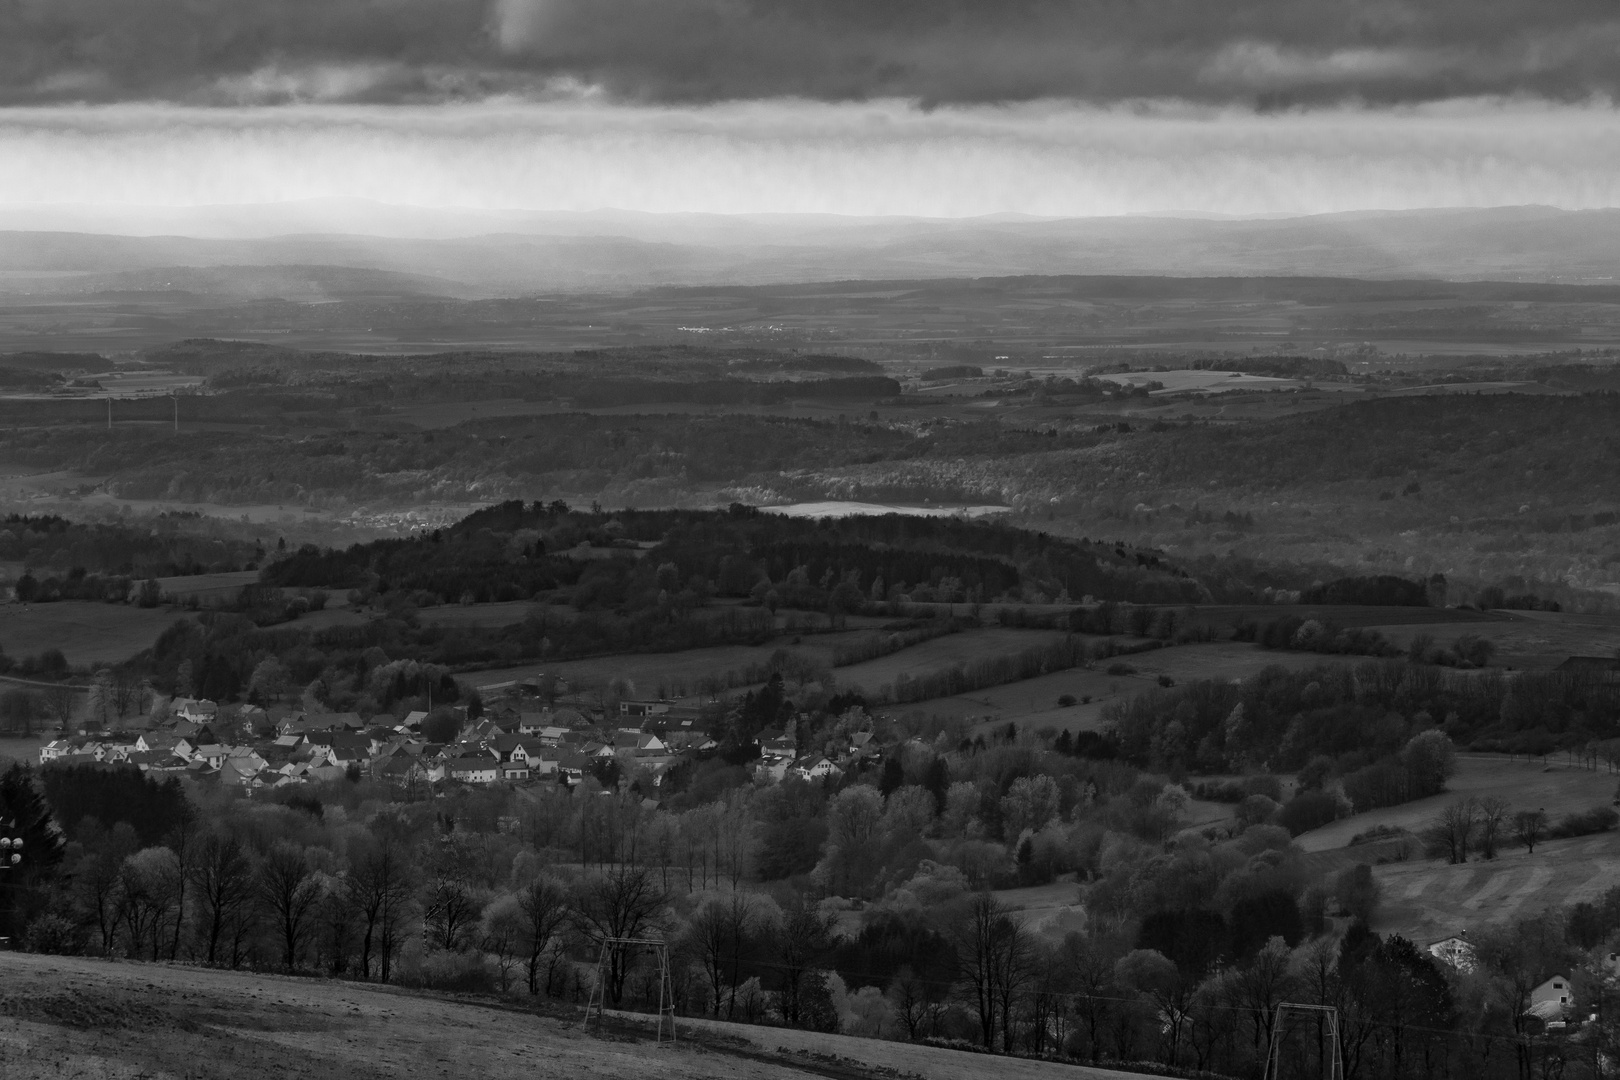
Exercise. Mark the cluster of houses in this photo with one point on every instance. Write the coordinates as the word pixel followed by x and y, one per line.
pixel 516 740
pixel 1552 1000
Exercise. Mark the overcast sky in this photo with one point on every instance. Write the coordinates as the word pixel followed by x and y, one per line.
pixel 934 107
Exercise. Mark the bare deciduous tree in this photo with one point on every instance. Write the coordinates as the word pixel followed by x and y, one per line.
pixel 544 903
pixel 223 879
pixel 1528 827
pixel 1493 817
pixel 619 903
pixel 993 952
pixel 1452 833
pixel 290 892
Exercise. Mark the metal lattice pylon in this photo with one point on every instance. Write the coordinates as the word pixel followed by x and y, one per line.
pixel 622 946
pixel 1333 1052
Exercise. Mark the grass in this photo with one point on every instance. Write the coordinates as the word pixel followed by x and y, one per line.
pixel 19 748
pixel 1429 899
pixel 943 652
pixel 71 1016
pixel 1033 703
pixel 650 670
pixel 85 631
pixel 207 585
pixel 1052 910
pixel 1528 785
pixel 1526 639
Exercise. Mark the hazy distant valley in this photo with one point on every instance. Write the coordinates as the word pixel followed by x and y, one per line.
pixel 1113 489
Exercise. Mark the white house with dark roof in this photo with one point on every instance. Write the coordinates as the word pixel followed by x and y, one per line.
pixel 1553 998
pixel 1454 950
pixel 476 769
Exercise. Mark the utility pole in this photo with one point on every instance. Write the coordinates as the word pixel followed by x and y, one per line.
pixel 109 414
pixel 176 413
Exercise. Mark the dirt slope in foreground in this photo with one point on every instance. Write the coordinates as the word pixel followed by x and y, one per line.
pixel 69 1016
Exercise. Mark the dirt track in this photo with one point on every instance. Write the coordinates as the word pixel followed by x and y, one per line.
pixel 99 1020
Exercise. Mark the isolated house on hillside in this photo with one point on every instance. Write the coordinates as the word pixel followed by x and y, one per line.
pixel 1454 950
pixel 1553 999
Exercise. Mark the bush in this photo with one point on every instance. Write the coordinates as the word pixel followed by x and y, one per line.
pixel 55 935
pixel 452 972
pixel 1596 820
pixel 1377 833
pixel 1121 669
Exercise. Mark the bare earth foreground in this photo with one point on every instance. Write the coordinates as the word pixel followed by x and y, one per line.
pixel 100 1020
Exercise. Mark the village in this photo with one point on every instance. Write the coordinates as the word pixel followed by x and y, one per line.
pixel 515 738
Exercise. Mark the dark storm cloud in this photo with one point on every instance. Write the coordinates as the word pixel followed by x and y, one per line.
pixel 1264 53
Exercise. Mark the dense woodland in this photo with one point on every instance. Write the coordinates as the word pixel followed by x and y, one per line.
pixel 519 548
pixel 1502 490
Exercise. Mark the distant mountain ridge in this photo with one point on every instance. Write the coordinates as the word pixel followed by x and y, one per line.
pixel 413 251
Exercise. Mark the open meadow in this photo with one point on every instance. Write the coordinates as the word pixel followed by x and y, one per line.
pixel 207 586
pixel 69 1016
pixel 943 652
pixel 1552 785
pixel 649 671
pixel 1033 703
pixel 22 747
pixel 1428 899
pixel 87 632
pixel 1534 640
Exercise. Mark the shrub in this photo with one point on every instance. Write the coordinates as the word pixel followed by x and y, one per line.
pixel 1065 700
pixel 1121 669
pixel 1596 820
pixel 55 935
pixel 1377 833
pixel 453 972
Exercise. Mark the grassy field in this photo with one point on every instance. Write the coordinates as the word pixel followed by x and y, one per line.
pixel 1529 785
pixel 69 1016
pixel 207 586
pixel 650 670
pixel 1224 615
pixel 1527 639
pixel 1429 899
pixel 86 632
pixel 1051 910
pixel 1034 702
pixel 943 652
pixel 17 748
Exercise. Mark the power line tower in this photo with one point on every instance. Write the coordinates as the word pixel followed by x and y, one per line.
pixel 1328 1020
pixel 622 948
